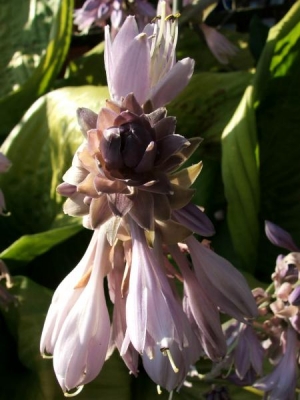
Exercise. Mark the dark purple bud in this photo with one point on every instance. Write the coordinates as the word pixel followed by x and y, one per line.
pixel 279 237
pixel 134 143
pixel 125 146
pixel 110 147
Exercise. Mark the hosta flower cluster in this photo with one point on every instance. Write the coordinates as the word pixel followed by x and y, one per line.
pixel 275 334
pixel 127 183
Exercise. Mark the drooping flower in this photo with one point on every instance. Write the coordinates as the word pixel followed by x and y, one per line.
pixel 77 326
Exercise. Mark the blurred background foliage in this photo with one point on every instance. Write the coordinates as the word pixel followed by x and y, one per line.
pixel 247 112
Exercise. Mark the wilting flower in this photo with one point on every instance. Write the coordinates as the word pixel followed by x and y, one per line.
pixel 97 13
pixel 218 44
pixel 154 77
pixel 126 183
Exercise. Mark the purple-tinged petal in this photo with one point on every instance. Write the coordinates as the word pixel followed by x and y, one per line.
pixel 147 161
pixel 169 145
pixel 194 219
pixel 118 329
pixel 165 127
pixel 281 382
pixel 81 347
pixel 162 209
pixel 87 119
pixel 161 371
pixel 248 352
pixel 65 189
pixel 143 210
pixel 279 237
pixel 172 83
pixel 294 297
pixel 64 298
pixel 75 175
pixel 226 285
pixel 131 77
pixel 75 205
pixel 4 163
pixel 119 204
pixel 100 211
pixel 203 310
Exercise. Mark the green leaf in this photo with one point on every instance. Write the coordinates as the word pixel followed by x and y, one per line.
pixel 240 175
pixel 35 41
pixel 41 148
pixel 203 109
pixel 278 121
pixel 260 150
pixel 28 247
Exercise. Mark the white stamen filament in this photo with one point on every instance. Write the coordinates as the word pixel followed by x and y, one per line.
pixel 47 356
pixel 73 394
pixel 159 391
pixel 166 352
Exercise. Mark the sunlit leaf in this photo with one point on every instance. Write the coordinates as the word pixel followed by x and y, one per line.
pixel 28 247
pixel 240 175
pixel 268 117
pixel 41 148
pixel 35 37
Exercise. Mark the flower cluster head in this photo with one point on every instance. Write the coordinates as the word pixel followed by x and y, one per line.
pixel 98 12
pixel 276 336
pixel 128 182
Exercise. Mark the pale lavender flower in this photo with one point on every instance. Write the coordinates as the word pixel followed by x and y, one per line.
pixel 281 382
pixel 154 77
pixel 77 326
pixel 248 353
pixel 225 285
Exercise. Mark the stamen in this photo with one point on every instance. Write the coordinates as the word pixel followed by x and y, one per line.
pixel 159 391
pixel 73 394
pixel 47 356
pixel 166 352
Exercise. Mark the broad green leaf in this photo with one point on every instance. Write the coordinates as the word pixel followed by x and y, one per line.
pixel 278 120
pixel 28 247
pixel 263 138
pixel 41 148
pixel 25 322
pixel 240 175
pixel 35 41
